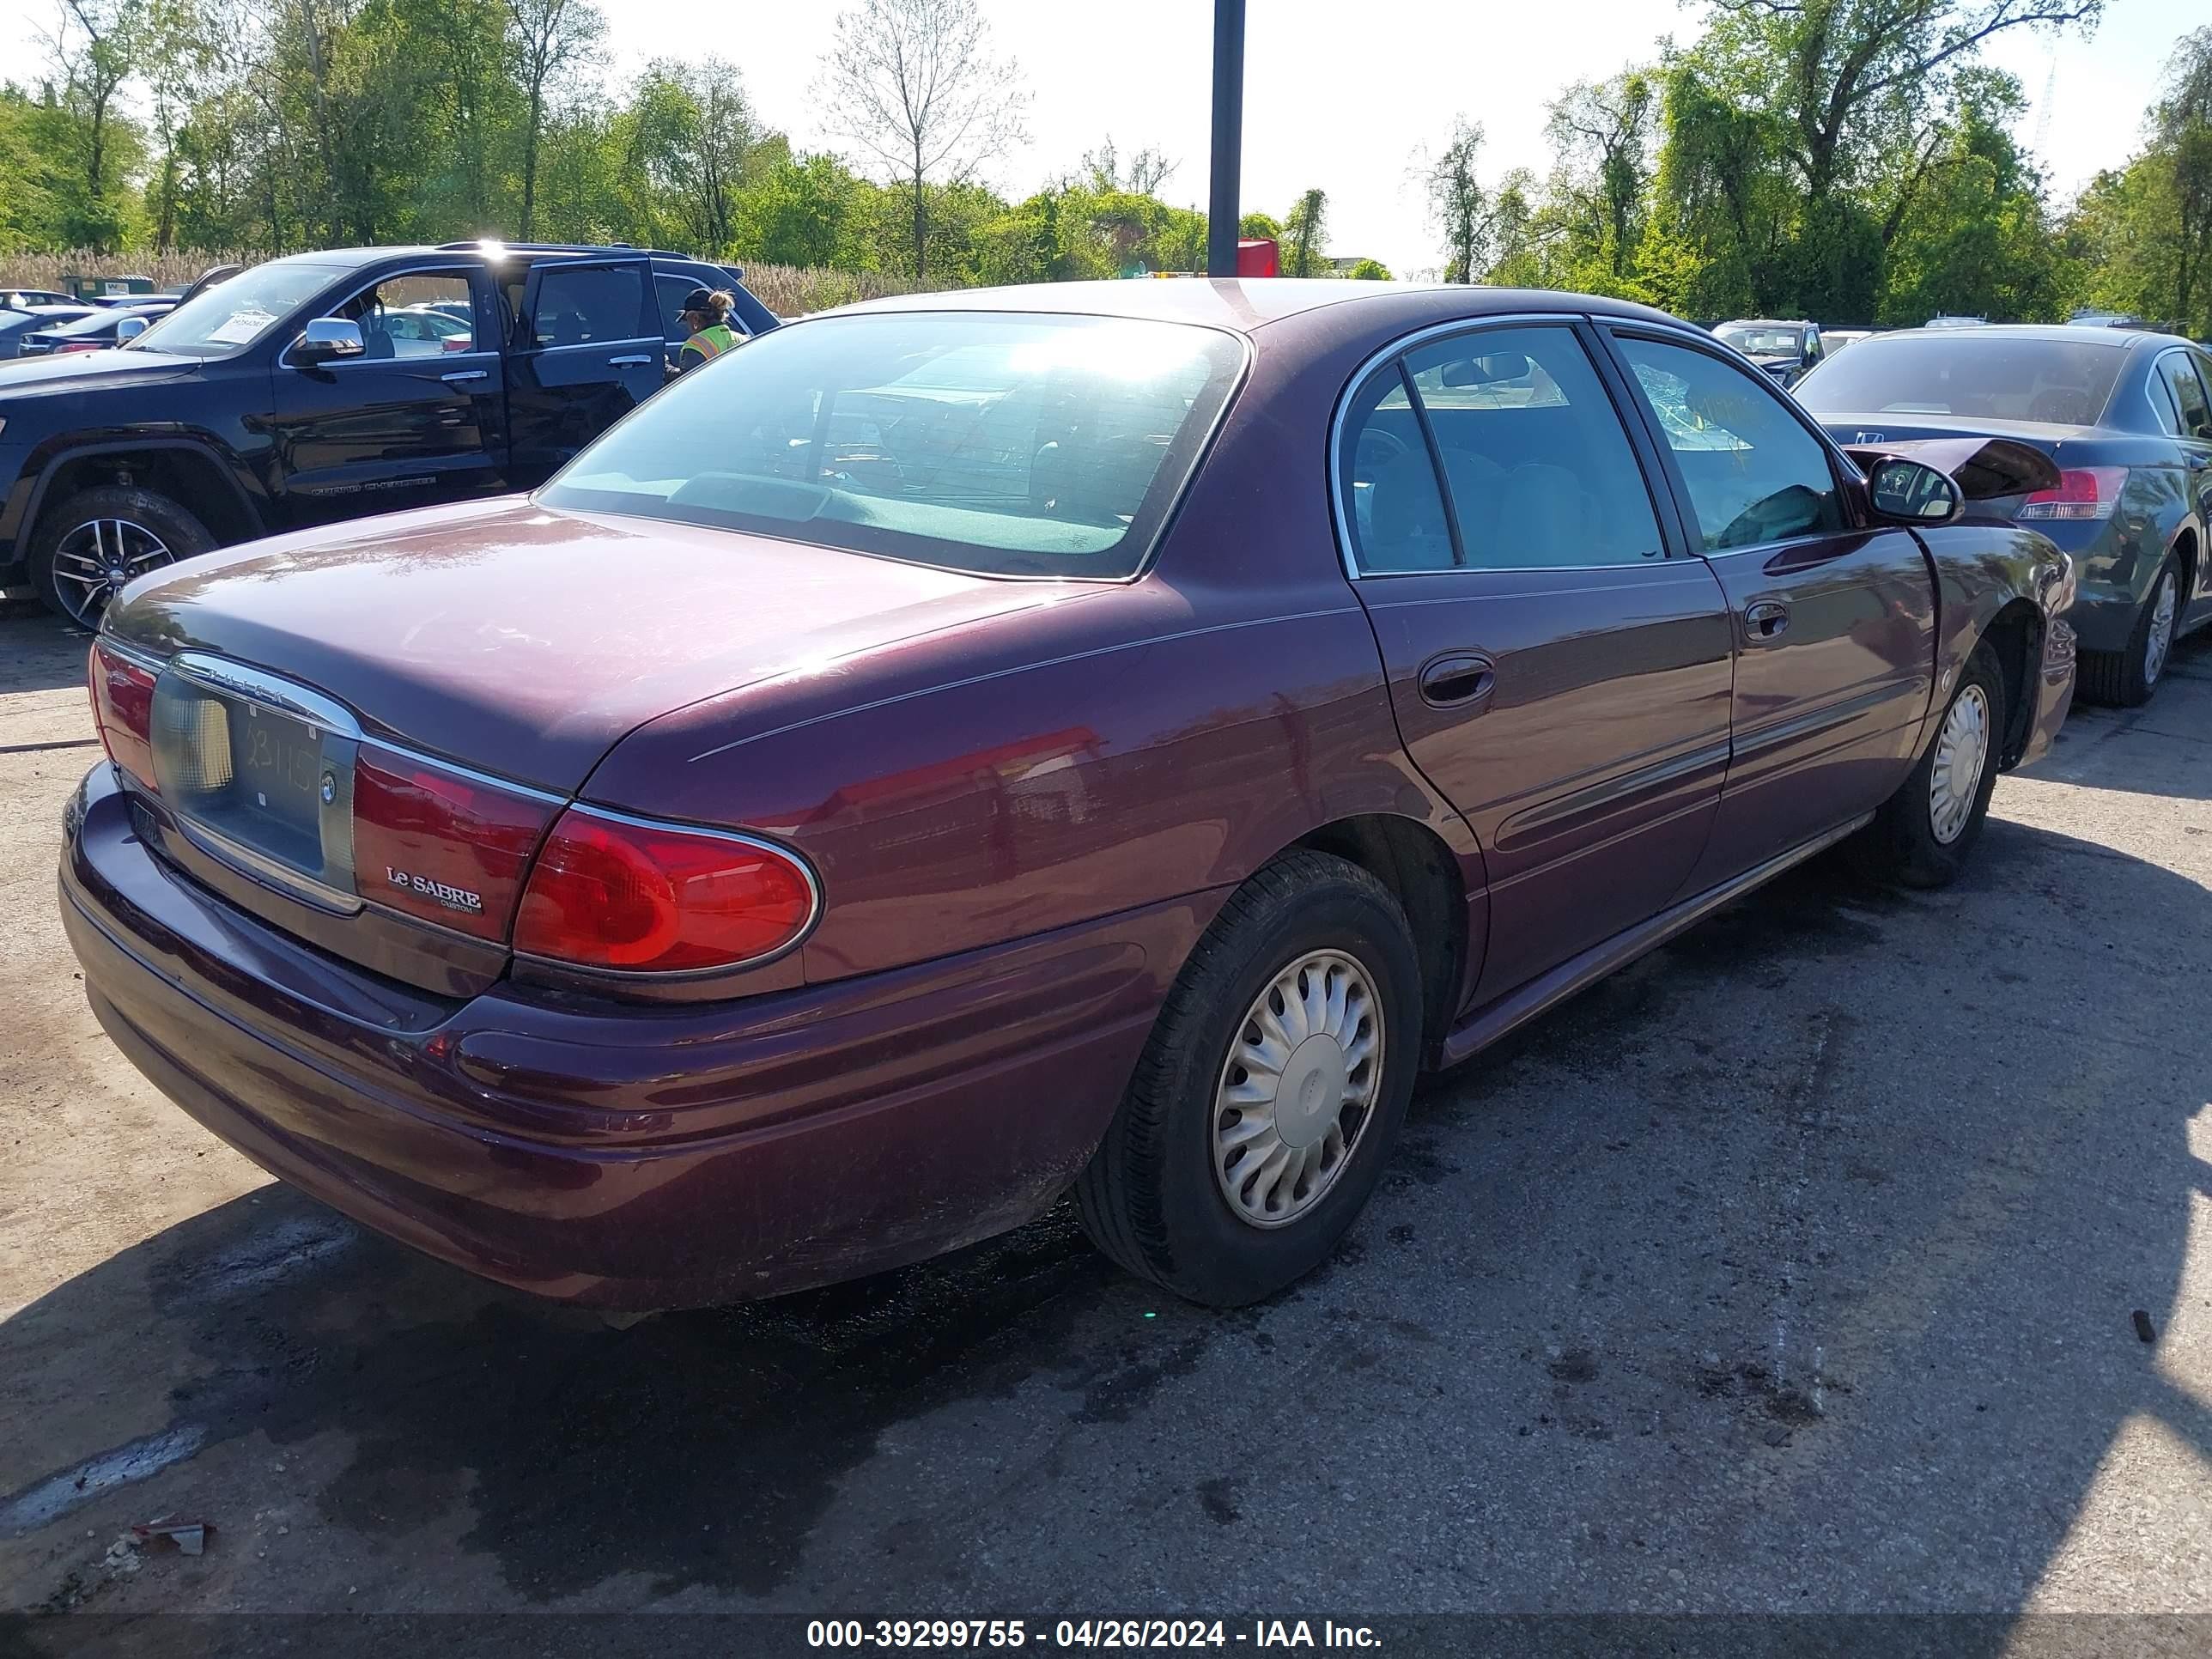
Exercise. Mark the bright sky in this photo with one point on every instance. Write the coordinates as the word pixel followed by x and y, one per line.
pixel 1333 98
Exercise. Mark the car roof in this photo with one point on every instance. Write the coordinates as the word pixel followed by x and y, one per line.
pixel 2118 338
pixel 1766 322
pixel 1244 305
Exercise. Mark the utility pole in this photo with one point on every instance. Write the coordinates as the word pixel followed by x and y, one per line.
pixel 1223 215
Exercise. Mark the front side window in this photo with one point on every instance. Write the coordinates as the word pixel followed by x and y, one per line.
pixel 2189 395
pixel 593 305
pixel 402 316
pixel 1753 473
pixel 227 319
pixel 1007 443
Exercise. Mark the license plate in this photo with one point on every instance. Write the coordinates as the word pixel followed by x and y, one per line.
pixel 277 767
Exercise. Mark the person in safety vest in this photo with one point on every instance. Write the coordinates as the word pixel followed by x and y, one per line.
pixel 706 313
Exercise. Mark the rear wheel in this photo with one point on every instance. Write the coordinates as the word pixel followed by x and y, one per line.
pixel 1267 1099
pixel 1924 833
pixel 2128 677
pixel 86 549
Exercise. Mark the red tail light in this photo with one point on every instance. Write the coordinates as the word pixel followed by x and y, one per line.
pixel 88 345
pixel 456 343
pixel 616 893
pixel 123 709
pixel 2083 492
pixel 448 849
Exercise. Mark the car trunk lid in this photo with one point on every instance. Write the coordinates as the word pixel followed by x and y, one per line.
pixel 379 726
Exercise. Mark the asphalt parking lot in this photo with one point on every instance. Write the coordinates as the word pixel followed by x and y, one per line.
pixel 1806 1266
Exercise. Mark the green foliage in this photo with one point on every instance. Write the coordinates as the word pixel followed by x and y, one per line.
pixel 1369 270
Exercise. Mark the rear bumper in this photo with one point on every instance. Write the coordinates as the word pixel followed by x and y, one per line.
pixel 2054 691
pixel 625 1156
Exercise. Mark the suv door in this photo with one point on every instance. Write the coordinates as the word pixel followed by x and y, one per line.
pixel 586 350
pixel 408 424
pixel 1557 676
pixel 1834 621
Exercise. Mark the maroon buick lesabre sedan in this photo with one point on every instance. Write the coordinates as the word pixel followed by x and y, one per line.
pixel 971 747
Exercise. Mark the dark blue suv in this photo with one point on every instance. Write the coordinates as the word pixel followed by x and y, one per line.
pixel 329 385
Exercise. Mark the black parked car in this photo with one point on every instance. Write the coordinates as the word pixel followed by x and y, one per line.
pixel 18 325
pixel 96 331
pixel 312 388
pixel 2127 415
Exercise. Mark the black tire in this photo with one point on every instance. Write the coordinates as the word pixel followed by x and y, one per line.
pixel 1903 843
pixel 2126 678
pixel 1149 1197
pixel 150 517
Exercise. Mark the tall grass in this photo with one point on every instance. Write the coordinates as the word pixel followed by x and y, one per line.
pixel 788 290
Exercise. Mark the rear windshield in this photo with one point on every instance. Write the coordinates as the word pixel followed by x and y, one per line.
pixel 2004 377
pixel 1755 342
pixel 232 315
pixel 1004 443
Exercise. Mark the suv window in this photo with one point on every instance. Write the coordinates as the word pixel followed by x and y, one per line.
pixel 1754 474
pixel 589 306
pixel 398 316
pixel 2189 395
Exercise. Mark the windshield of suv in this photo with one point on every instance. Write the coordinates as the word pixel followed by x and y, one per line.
pixel 2007 377
pixel 1764 342
pixel 1010 444
pixel 232 315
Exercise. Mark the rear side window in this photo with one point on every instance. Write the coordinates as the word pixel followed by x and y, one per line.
pixel 1754 474
pixel 1540 474
pixel 1001 442
pixel 2189 395
pixel 589 306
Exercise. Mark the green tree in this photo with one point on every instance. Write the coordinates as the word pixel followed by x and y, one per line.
pixel 1303 232
pixel 914 86
pixel 1369 270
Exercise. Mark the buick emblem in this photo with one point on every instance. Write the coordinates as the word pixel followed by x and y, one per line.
pixel 330 790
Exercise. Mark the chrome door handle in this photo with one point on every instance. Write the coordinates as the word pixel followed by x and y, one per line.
pixel 627 362
pixel 1767 620
pixel 461 374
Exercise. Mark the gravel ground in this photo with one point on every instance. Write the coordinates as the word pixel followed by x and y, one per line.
pixel 1852 1254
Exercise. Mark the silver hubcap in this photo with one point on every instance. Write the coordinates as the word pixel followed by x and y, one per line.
pixel 94 560
pixel 1297 1089
pixel 1962 749
pixel 2161 631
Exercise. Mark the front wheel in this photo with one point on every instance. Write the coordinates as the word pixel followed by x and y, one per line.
pixel 1922 834
pixel 1267 1101
pixel 86 547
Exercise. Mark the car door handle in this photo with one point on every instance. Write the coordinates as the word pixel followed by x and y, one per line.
pixel 461 374
pixel 1457 680
pixel 628 362
pixel 1766 621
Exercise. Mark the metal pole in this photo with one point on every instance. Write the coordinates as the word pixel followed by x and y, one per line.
pixel 1223 215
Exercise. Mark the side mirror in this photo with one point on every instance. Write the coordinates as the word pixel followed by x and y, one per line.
pixel 327 339
pixel 129 329
pixel 1907 492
